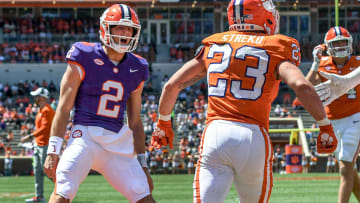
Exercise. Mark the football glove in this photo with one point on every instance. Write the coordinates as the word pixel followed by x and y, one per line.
pixel 336 85
pixel 163 134
pixel 317 52
pixel 326 140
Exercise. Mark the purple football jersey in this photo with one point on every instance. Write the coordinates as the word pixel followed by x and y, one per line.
pixel 102 96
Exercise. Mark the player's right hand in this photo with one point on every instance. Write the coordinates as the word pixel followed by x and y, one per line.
pixel 317 52
pixel 326 140
pixel 334 87
pixel 163 134
pixel 50 165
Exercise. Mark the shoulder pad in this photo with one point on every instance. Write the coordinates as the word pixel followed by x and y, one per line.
pixel 84 46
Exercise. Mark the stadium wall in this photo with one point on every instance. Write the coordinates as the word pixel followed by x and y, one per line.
pixel 13 73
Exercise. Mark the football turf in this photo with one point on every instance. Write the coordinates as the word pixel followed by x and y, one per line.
pixel 312 188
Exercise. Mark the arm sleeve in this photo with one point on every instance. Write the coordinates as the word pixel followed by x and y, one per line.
pixel 285 48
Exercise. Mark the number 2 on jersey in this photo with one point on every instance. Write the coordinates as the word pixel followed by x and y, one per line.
pixel 258 73
pixel 102 110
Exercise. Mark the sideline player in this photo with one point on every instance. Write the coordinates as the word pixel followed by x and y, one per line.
pixel 343 112
pixel 244 67
pixel 101 80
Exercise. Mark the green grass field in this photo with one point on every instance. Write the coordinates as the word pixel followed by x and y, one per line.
pixel 308 188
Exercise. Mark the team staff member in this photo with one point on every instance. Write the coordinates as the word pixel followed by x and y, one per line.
pixel 41 134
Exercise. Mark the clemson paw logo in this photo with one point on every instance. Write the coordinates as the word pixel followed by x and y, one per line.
pixel 159 133
pixel 76 134
pixel 326 139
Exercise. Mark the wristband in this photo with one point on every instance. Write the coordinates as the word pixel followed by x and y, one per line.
pixel 323 122
pixel 142 160
pixel 55 144
pixel 315 66
pixel 165 118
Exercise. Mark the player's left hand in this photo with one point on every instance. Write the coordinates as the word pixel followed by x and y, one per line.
pixel 149 179
pixel 326 140
pixel 163 134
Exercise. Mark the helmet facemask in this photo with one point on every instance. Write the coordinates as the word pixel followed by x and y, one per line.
pixel 343 51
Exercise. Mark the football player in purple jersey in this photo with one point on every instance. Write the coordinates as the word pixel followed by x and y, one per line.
pixel 100 82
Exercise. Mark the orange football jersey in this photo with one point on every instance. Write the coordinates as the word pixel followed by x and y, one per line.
pixel 349 103
pixel 241 74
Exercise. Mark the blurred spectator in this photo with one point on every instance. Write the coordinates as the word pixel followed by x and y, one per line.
pixel 277 110
pixel 173 53
pixel 278 159
pixel 313 161
pixel 286 98
pixel 53 104
pixel 176 163
pixel 8 164
pixel 153 163
pixel 165 79
pixel 284 112
pixel 296 104
pixel 166 163
pixel 191 164
pixel 305 164
pixel 283 164
pixel 330 164
pixel 9 136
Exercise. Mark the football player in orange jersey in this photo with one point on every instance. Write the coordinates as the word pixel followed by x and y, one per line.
pixel 344 112
pixel 244 67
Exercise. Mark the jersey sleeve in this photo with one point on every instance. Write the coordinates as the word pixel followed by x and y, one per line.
pixel 145 67
pixel 284 48
pixel 75 54
pixel 78 54
pixel 146 72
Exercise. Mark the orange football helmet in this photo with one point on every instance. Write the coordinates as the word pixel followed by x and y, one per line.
pixel 119 14
pixel 253 15
pixel 338 33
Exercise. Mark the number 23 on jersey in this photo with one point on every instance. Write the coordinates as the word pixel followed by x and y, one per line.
pixel 247 77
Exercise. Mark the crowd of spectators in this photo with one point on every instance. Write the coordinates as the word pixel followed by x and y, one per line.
pixel 46 40
pixel 188 119
pixel 17 114
pixel 40 28
pixel 33 52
